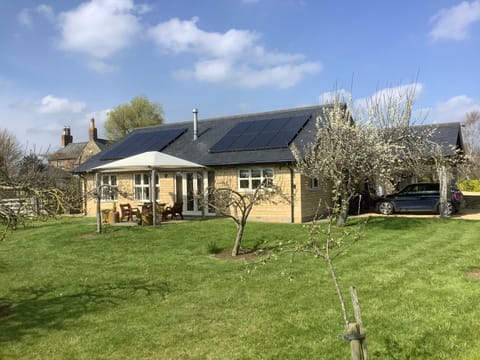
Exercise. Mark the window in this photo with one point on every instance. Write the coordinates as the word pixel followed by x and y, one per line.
pixel 109 187
pixel 250 179
pixel 314 183
pixel 141 187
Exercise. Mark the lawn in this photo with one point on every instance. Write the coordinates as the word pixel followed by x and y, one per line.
pixel 156 293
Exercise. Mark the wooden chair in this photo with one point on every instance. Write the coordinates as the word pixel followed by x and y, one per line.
pixel 174 211
pixel 160 210
pixel 126 211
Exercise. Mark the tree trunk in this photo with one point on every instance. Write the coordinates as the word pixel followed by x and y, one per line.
pixel 442 177
pixel 343 213
pixel 238 239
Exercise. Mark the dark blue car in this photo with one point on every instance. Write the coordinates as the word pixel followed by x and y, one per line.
pixel 420 197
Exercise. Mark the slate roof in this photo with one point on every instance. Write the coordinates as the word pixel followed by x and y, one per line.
pixel 210 131
pixel 449 136
pixel 74 150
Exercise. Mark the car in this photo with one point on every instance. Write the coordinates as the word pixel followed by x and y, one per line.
pixel 419 197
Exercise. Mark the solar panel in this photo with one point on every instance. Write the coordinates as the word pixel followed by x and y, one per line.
pixel 142 141
pixel 261 134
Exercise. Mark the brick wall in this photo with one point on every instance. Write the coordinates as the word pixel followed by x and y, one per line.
pixel 277 209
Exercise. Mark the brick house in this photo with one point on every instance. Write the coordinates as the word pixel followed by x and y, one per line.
pixel 236 151
pixel 72 154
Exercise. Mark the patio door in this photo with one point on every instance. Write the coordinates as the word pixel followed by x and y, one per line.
pixel 189 186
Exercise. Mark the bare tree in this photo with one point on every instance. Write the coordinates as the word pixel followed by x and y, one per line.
pixel 28 188
pixel 238 205
pixel 471 137
pixel 10 155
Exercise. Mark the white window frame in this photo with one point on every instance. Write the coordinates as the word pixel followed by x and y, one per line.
pixel 250 178
pixel 144 187
pixel 110 192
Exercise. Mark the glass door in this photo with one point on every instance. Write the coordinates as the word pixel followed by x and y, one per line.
pixel 191 188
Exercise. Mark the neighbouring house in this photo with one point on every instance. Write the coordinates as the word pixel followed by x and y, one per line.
pixel 236 151
pixel 71 154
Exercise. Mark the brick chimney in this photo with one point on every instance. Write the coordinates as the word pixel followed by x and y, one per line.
pixel 92 131
pixel 67 137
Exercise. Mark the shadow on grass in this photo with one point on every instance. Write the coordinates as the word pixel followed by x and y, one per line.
pixel 397 223
pixel 51 308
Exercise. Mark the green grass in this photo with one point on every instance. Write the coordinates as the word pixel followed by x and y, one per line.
pixel 157 293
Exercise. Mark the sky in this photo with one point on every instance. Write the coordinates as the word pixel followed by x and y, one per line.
pixel 64 62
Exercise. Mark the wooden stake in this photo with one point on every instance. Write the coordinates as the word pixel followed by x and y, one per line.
pixel 355 345
pixel 358 320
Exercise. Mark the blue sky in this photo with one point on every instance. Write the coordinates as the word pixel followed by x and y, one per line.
pixel 63 62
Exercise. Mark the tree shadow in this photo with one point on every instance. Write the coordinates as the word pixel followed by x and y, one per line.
pixel 53 308
pixel 398 223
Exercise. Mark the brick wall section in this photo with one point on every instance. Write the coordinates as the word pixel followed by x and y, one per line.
pixel 276 209
pixel 311 198
pixel 88 151
pixel 125 185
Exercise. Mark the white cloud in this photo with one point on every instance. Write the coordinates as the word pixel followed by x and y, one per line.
pixel 24 18
pixel 453 109
pixel 99 28
pixel 38 124
pixel 386 96
pixel 224 71
pixel 330 96
pixel 46 11
pixel 454 23
pixel 53 105
pixel 235 56
pixel 395 92
pixel 382 95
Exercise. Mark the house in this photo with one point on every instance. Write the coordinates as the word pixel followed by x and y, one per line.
pixel 73 154
pixel 235 151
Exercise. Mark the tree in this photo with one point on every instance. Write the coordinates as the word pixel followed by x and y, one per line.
pixel 28 188
pixel 10 155
pixel 238 205
pixel 31 165
pixel 471 137
pixel 378 145
pixel 126 117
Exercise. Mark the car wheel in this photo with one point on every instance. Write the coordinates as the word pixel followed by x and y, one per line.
pixel 385 208
pixel 450 209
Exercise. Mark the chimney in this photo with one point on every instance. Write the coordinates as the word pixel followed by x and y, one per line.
pixel 92 131
pixel 195 123
pixel 67 137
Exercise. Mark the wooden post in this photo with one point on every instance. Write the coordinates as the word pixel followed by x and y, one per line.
pixel 359 322
pixel 153 188
pixel 98 196
pixel 355 344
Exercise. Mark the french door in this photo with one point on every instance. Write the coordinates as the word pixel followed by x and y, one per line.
pixel 191 187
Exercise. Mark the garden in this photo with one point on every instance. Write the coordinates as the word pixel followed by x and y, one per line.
pixel 167 292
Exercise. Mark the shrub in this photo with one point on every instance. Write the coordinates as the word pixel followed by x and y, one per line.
pixel 213 248
pixel 469 185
